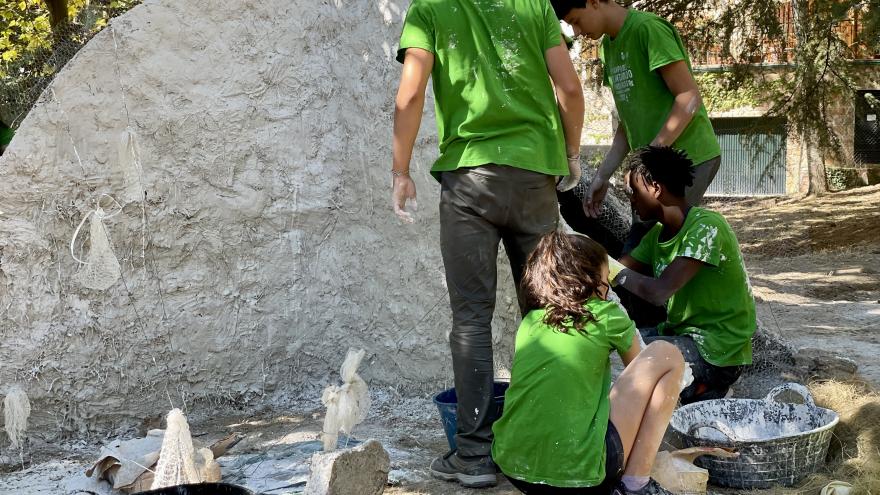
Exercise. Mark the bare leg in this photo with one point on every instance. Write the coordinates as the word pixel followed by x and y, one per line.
pixel 642 401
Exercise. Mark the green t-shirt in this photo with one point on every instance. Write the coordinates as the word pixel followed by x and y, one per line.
pixel 644 44
pixel 493 96
pixel 556 410
pixel 716 307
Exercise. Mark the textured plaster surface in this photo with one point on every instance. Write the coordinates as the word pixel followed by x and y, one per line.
pixel 264 245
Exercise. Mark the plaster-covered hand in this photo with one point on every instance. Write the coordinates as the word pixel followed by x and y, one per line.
pixel 687 378
pixel 595 196
pixel 403 198
pixel 574 174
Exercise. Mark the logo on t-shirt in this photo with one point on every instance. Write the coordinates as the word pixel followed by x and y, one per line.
pixel 621 80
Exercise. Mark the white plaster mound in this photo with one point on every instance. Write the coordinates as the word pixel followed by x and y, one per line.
pixel 266 246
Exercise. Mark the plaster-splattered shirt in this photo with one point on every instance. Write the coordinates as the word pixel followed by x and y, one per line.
pixel 715 307
pixel 630 62
pixel 556 410
pixel 492 93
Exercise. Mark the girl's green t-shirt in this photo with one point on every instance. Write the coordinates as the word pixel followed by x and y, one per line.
pixel 493 96
pixel 716 307
pixel 552 430
pixel 630 61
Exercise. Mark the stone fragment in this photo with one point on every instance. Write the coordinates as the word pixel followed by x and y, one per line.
pixel 822 364
pixel 362 470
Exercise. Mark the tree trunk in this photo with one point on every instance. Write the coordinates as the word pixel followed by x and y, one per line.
pixel 57 12
pixel 818 179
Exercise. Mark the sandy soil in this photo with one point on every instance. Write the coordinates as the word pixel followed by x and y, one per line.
pixel 273 456
pixel 814 264
pixel 815 270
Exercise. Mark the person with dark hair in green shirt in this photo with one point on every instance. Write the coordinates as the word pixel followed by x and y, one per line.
pixel 690 262
pixel 565 429
pixel 509 110
pixel 646 66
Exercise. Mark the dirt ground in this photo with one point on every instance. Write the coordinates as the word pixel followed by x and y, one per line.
pixel 815 271
pixel 814 265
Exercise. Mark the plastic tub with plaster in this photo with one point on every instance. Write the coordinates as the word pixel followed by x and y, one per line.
pixel 778 443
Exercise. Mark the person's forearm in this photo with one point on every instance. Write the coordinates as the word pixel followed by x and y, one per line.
pixel 407 119
pixel 648 288
pixel 615 155
pixel 683 109
pixel 571 109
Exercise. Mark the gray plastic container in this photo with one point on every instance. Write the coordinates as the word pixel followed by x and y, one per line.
pixel 778 443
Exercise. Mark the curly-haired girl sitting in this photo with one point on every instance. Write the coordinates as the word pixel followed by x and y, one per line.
pixel 564 428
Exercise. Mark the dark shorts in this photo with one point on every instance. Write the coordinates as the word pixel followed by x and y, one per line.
pixel 613 472
pixel 710 381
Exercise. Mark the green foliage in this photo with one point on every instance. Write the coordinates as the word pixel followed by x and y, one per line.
pixel 27 30
pixel 840 179
pixel 722 93
pixel 873 102
pixel 31 52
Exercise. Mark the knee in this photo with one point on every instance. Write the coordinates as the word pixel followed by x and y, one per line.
pixel 471 336
pixel 667 353
pixel 472 316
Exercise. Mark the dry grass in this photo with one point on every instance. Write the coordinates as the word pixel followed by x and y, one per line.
pixel 854 453
pixel 793 226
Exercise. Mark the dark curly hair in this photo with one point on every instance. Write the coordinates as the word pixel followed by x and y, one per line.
pixel 664 165
pixel 560 275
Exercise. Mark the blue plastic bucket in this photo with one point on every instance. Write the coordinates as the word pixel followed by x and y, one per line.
pixel 447 404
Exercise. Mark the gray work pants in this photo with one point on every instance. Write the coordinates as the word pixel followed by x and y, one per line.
pixel 704 173
pixel 480 207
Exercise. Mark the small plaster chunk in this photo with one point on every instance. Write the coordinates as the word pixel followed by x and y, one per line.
pixel 362 469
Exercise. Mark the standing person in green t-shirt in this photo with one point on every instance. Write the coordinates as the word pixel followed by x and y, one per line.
pixel 689 261
pixel 646 65
pixel 565 429
pixel 505 138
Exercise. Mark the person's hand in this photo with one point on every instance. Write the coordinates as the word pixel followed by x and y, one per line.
pixel 595 196
pixel 403 198
pixel 574 174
